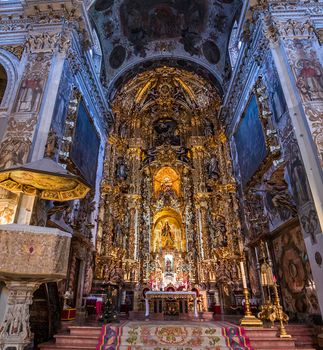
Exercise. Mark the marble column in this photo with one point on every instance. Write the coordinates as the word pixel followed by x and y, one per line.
pixel 308 150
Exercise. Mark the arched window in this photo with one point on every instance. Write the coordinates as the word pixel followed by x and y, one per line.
pixel 3 82
pixel 234 45
pixel 96 52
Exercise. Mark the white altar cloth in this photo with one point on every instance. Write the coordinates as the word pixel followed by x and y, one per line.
pixel 170 295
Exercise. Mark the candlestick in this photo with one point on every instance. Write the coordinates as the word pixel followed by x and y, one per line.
pixel 256 252
pixel 249 320
pixel 280 315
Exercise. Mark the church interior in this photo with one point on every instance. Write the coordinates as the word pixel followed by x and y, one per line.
pixel 161 180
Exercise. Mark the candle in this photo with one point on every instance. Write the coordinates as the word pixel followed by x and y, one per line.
pixel 243 275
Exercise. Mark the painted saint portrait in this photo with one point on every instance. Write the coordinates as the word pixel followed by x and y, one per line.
pixel 250 141
pixel 307 69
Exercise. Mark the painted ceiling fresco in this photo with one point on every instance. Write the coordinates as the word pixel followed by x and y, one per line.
pixel 133 31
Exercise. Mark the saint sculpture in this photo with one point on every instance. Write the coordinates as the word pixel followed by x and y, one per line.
pixel 168 239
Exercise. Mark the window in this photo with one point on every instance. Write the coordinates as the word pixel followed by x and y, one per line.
pixel 3 82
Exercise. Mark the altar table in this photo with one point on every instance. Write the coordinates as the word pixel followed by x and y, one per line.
pixel 180 295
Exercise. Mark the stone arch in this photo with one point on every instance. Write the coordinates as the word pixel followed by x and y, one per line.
pixel 10 63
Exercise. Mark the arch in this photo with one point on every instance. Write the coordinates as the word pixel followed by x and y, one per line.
pixel 131 70
pixel 96 51
pixel 3 82
pixel 233 46
pixel 10 64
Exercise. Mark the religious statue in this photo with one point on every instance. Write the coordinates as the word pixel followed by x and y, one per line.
pixel 168 265
pixel 213 170
pixel 168 238
pixel 208 128
pixel 68 296
pixel 121 171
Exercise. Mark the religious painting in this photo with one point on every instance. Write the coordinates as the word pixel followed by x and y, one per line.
pixel 275 91
pixel 166 131
pixel 85 147
pixel 294 274
pixel 62 101
pixel 157 19
pixel 250 141
pixel 143 21
pixel 315 116
pixel 33 83
pixel 307 69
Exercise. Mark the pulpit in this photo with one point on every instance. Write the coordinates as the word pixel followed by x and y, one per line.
pixel 170 303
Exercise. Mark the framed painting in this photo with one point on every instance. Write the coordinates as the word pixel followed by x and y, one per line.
pixel 250 141
pixel 85 147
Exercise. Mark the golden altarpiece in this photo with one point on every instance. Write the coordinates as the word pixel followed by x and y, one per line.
pixel 169 213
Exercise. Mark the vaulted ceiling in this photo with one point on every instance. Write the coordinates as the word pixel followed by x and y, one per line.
pixel 185 32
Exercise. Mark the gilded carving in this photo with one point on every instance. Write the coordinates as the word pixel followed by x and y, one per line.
pixel 168 210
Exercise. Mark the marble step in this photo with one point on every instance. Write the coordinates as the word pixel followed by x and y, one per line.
pixel 54 346
pixel 261 332
pixel 73 340
pixel 273 342
pixel 90 331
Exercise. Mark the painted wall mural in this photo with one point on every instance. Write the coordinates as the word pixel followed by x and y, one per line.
pixel 250 141
pixel 130 30
pixel 304 58
pixel 294 273
pixel 33 82
pixel 85 147
pixel 307 69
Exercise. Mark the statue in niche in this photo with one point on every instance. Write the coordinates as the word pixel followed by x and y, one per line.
pixel 213 170
pixel 168 237
pixel 51 145
pixel 166 132
pixel 122 170
pixel 167 195
pixel 168 265
pixel 182 155
pixel 208 127
pixel 117 234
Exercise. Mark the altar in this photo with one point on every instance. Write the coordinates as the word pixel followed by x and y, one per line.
pixel 165 299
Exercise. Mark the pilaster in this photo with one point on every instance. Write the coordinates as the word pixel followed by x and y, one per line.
pixel 296 52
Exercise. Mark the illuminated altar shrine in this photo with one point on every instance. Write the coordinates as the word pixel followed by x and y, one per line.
pixel 168 215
